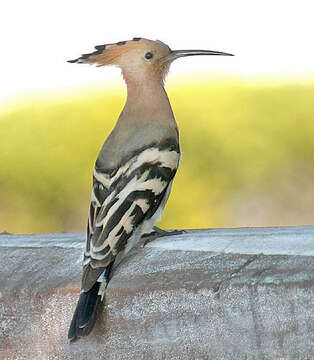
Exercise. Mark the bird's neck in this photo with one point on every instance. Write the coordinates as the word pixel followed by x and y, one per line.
pixel 147 100
pixel 147 118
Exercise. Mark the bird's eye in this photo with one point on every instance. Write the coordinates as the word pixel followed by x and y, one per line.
pixel 148 55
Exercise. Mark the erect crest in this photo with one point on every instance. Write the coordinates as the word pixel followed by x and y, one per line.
pixel 106 54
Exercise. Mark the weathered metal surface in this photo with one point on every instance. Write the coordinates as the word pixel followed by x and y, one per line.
pixel 206 294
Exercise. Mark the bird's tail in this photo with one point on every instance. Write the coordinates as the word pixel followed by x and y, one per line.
pixel 85 314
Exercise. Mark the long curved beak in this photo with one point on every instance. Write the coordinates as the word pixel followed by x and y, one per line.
pixel 175 54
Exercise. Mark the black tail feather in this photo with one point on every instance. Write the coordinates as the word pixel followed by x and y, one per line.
pixel 87 308
pixel 85 314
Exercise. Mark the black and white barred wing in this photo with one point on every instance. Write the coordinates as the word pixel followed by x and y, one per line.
pixel 126 203
pixel 101 185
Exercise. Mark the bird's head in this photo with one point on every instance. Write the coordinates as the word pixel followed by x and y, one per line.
pixel 139 58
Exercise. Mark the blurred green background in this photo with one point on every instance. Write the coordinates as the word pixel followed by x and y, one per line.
pixel 247 155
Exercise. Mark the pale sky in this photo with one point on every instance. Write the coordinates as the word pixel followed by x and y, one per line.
pixel 269 38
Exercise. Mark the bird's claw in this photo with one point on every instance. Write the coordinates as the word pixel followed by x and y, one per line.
pixel 157 233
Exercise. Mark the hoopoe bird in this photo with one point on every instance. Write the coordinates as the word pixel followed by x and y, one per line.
pixel 135 168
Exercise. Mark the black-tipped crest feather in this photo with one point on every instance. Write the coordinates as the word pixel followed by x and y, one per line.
pixel 100 49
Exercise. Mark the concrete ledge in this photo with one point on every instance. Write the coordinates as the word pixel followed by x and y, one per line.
pixel 206 294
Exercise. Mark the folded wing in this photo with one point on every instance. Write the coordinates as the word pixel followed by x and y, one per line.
pixel 123 201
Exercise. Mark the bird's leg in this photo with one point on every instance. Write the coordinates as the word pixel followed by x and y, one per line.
pixel 162 232
pixel 156 232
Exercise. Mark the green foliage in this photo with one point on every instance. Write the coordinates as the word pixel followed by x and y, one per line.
pixel 241 144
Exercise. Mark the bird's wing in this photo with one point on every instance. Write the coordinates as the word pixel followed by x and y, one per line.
pixel 101 184
pixel 123 200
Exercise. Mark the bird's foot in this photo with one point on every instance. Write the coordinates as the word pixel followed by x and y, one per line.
pixel 157 233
